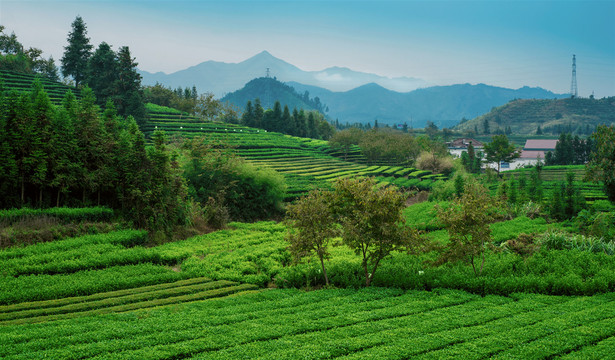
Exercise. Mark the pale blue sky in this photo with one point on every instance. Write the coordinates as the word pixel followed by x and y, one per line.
pixel 502 43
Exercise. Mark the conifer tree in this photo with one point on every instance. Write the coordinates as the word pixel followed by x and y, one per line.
pixel 286 123
pixel 102 73
pixel 77 52
pixel 247 118
pixel 258 113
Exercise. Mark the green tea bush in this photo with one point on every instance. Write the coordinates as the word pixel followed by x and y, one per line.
pixel 65 215
pixel 559 240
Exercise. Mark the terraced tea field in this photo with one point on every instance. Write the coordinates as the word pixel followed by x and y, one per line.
pixel 107 296
pixel 23 82
pixel 305 163
pixel 373 323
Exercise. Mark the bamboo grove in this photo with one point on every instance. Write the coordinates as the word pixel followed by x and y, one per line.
pixel 75 155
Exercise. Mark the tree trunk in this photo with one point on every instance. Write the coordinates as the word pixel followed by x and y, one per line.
pixel 23 191
pixel 40 197
pixel 58 199
pixel 324 271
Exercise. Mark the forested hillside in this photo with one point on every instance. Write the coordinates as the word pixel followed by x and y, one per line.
pixel 268 91
pixel 578 115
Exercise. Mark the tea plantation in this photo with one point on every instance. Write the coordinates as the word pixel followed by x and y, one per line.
pixel 232 294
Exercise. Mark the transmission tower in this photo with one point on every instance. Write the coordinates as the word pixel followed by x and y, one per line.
pixel 573 86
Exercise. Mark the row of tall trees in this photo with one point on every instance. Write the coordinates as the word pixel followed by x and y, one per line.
pixel 310 124
pixel 111 75
pixel 570 150
pixel 14 57
pixel 76 155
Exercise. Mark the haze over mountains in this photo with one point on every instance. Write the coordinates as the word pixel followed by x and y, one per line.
pixel 221 78
pixel 353 96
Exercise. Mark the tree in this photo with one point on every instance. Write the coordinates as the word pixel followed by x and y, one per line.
pixel 431 129
pixel 486 127
pixel 372 221
pixel 102 73
pixel 77 52
pixel 499 150
pixel 467 221
pixel 313 226
pixel 247 118
pixel 434 162
pixel 129 96
pixel 602 164
pixel 343 140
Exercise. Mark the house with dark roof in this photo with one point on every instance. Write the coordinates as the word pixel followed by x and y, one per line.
pixel 458 146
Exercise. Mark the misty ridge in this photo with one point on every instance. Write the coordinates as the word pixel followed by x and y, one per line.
pixel 350 95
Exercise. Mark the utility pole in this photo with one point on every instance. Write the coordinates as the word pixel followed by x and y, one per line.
pixel 573 86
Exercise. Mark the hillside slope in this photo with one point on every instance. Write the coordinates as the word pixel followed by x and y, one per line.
pixel 269 90
pixel 23 82
pixel 578 115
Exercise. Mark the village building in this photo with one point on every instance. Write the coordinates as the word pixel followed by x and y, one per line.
pixel 533 152
pixel 459 146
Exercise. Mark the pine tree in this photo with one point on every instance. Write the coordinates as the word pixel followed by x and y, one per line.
pixel 77 53
pixel 64 162
pixel 259 113
pixel 43 113
pixel 311 126
pixel 276 118
pixel 8 165
pixel 129 96
pixel 247 118
pixel 287 124
pixel 102 73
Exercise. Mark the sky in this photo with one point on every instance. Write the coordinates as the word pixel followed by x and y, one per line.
pixel 502 43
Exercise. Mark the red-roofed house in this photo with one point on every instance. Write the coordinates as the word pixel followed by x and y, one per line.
pixel 533 152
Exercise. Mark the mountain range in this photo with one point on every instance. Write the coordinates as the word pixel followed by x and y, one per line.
pixel 221 78
pixel 350 96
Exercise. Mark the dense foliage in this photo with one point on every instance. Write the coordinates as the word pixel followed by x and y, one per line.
pixel 310 124
pixel 13 57
pixel 228 186
pixel 75 155
pixel 570 151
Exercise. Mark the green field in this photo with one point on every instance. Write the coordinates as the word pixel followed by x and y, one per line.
pixel 231 294
pixel 305 163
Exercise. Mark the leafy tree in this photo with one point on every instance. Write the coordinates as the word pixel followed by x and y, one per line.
pixel 343 140
pixel 499 150
pixel 313 226
pixel 431 129
pixel 77 52
pixel 248 193
pixel 434 162
pixel 602 164
pixel 467 221
pixel 372 221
